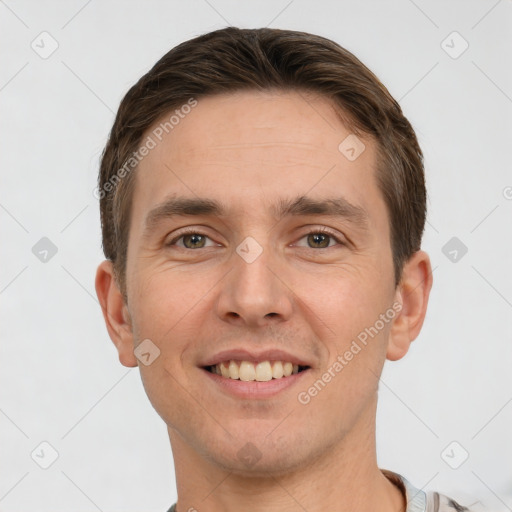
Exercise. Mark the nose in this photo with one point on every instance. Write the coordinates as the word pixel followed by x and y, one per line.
pixel 254 293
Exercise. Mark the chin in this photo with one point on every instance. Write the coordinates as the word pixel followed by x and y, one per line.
pixel 252 453
pixel 265 463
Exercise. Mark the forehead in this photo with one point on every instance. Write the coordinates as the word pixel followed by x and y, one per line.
pixel 250 150
pixel 244 123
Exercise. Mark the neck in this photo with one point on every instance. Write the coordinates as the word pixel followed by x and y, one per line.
pixel 345 477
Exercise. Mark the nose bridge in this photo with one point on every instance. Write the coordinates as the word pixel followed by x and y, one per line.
pixel 252 292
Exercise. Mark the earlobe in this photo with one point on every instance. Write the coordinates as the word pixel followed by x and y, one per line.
pixel 412 293
pixel 116 313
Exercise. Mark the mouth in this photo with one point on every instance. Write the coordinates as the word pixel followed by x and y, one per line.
pixel 262 371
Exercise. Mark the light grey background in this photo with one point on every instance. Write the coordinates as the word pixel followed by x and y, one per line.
pixel 61 381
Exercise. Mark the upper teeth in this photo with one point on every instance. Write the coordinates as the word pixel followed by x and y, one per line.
pixel 247 371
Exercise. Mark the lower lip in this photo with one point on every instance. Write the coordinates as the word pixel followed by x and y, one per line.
pixel 255 389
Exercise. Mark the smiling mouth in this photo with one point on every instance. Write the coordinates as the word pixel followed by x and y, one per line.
pixel 260 372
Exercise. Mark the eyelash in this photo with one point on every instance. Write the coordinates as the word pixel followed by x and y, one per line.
pixel 322 230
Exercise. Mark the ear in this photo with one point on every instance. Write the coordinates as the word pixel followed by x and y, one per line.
pixel 412 293
pixel 115 312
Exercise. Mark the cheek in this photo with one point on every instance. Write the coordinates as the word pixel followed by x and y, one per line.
pixel 349 309
pixel 345 300
pixel 172 308
pixel 162 298
pixel 356 341
pixel 169 306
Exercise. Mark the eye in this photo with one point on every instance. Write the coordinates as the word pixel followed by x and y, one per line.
pixel 190 240
pixel 321 239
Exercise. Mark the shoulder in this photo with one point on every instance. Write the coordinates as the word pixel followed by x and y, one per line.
pixel 421 501
pixel 441 503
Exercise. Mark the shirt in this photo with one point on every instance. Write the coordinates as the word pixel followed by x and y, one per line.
pixel 421 501
pixel 417 500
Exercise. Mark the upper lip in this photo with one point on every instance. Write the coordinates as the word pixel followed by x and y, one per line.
pixel 239 354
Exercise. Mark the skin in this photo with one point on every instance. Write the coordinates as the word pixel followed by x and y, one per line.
pixel 248 150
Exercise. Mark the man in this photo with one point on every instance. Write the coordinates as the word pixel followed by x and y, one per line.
pixel 263 202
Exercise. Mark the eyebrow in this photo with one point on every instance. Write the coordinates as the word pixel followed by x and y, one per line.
pixel 299 206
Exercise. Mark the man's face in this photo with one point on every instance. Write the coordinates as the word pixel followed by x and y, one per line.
pixel 246 283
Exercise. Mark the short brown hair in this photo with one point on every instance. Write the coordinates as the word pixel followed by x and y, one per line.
pixel 233 59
